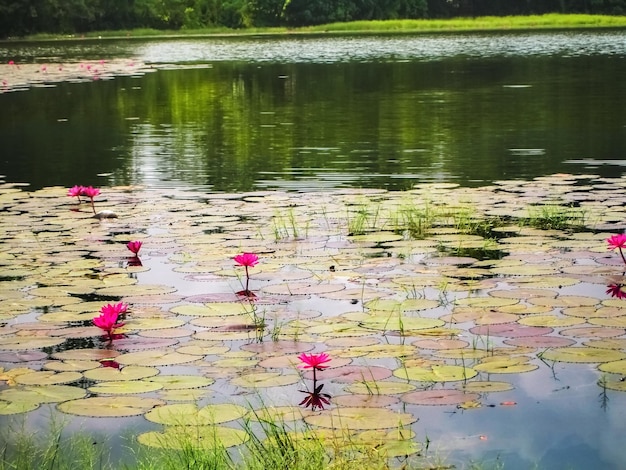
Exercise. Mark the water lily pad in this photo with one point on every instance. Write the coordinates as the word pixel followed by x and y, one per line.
pixel 184 394
pixel 179 382
pixel 135 290
pixel 71 365
pixel 265 379
pixel 439 397
pixel 510 330
pixel 364 400
pixel 540 341
pixel 551 321
pixel 86 354
pixel 124 374
pixel 487 387
pixel 42 394
pixel 347 374
pixel 155 358
pixel 16 343
pixel 440 343
pixel 379 387
pixel 187 414
pixel 435 373
pixel 505 365
pixel 360 418
pixel 583 355
pixel 124 387
pixel 11 408
pixel 302 288
pixel 110 407
pixel 48 377
pixel 197 437
pixel 614 367
pixel 279 414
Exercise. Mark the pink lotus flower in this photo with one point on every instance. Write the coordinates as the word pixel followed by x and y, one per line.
pixel 119 308
pixel 616 291
pixel 314 361
pixel 134 246
pixel 247 260
pixel 108 319
pixel 75 191
pixel 617 241
pixel 91 192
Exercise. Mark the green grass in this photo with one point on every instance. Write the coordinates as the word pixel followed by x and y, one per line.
pixel 487 23
pixel 272 445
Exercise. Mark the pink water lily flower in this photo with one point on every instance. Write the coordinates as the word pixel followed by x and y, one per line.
pixel 91 192
pixel 315 361
pixel 134 246
pixel 617 241
pixel 117 308
pixel 247 259
pixel 108 319
pixel 75 191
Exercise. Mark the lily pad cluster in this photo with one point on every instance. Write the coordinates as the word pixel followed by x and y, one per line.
pixel 439 295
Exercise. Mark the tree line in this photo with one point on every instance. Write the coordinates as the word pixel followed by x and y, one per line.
pixel 27 17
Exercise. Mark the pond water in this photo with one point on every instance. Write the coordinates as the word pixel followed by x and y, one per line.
pixel 209 117
pixel 309 113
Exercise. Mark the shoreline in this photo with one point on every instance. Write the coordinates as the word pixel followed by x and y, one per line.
pixel 417 26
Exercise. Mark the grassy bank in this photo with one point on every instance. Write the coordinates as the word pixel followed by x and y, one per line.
pixel 491 23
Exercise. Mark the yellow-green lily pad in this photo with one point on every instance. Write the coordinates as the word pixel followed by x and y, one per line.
pixel 124 387
pixel 42 394
pixel 436 373
pixel 583 355
pixel 179 382
pixel 188 414
pixel 124 374
pixel 110 407
pixel 197 437
pixel 360 418
pixel 265 379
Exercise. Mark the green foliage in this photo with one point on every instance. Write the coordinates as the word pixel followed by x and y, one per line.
pixel 24 17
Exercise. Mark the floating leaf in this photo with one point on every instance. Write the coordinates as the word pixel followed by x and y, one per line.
pixel 439 397
pixel 42 394
pixel 436 373
pixel 366 400
pixel 124 387
pixel 125 373
pixel 179 382
pixel 510 330
pixel 197 437
pixel 614 367
pixel 265 379
pixel 376 387
pixel 583 355
pixel 109 407
pixel 505 365
pixel 11 408
pixel 487 387
pixel 190 415
pixel 155 358
pixel 360 418
pixel 48 377
pixel 29 342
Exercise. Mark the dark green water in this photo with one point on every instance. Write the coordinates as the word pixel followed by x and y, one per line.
pixel 311 113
